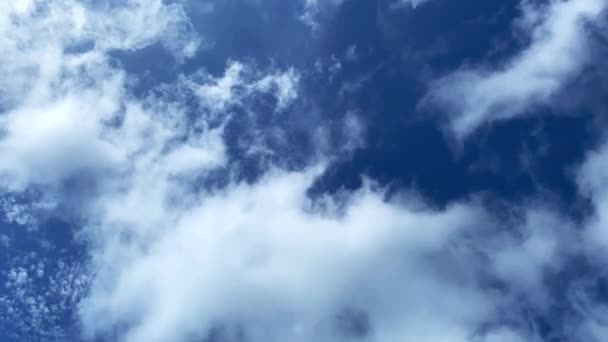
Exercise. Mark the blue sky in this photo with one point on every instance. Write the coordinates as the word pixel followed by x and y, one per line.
pixel 305 170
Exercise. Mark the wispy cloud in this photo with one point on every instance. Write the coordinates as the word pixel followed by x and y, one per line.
pixel 557 52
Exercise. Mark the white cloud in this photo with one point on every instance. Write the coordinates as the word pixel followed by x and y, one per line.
pixel 171 261
pixel 239 82
pixel 283 84
pixel 59 103
pixel 557 52
pixel 538 246
pixel 265 259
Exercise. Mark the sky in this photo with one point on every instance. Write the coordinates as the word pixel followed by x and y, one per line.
pixel 303 170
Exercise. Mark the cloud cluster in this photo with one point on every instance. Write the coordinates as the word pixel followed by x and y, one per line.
pixel 38 297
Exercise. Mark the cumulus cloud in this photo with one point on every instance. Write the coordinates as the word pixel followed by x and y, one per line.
pixel 262 259
pixel 558 51
pixel 267 263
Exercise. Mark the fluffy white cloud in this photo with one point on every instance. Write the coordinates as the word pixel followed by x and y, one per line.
pixel 558 51
pixel 264 259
